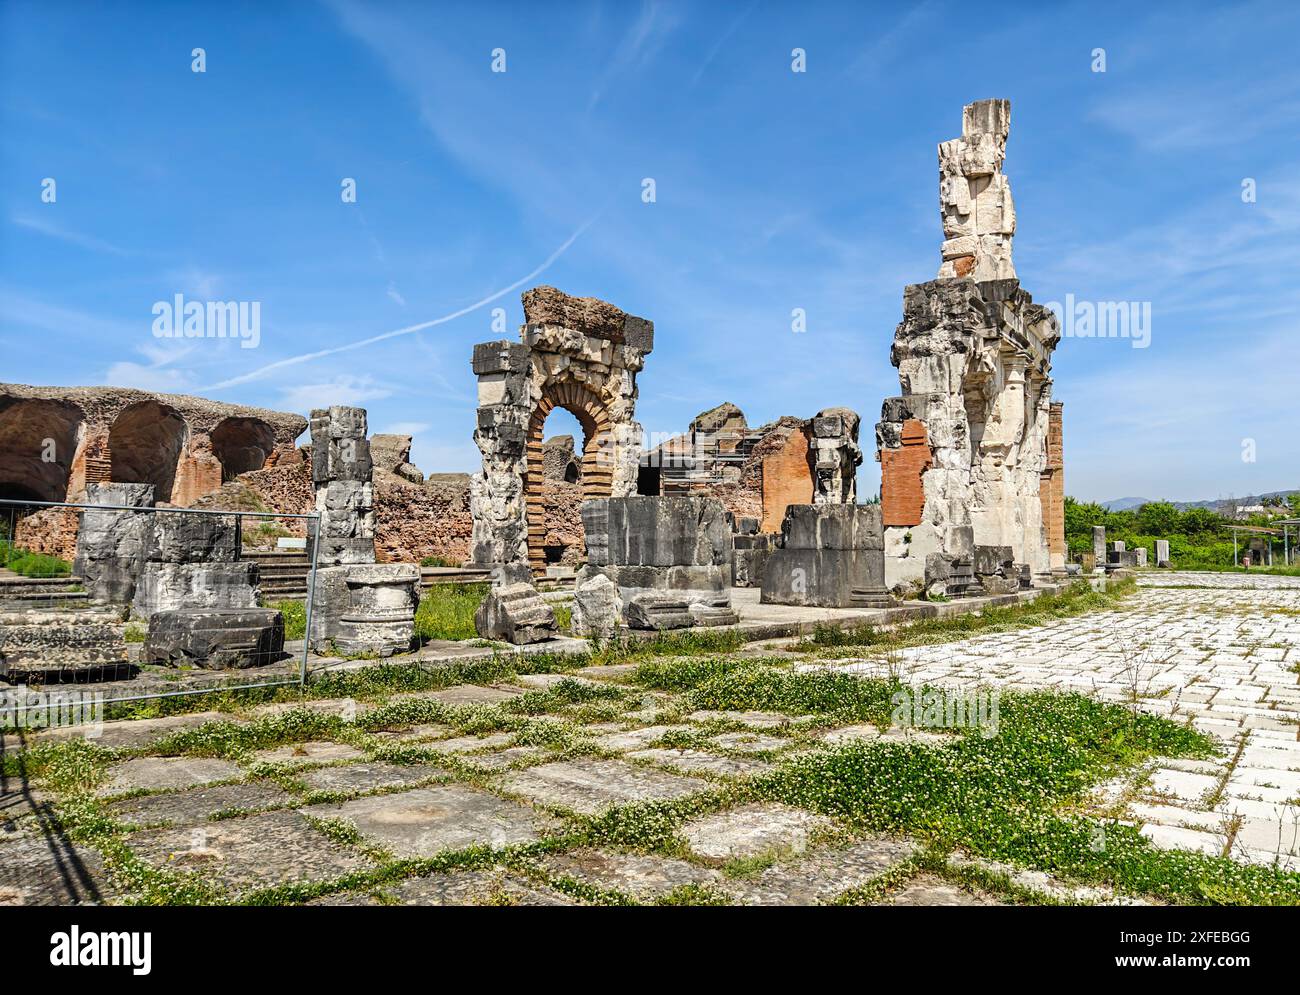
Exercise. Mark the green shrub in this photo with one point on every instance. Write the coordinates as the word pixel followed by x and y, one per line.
pixel 28 564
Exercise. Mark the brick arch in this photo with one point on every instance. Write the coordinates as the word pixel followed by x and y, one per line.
pixel 592 413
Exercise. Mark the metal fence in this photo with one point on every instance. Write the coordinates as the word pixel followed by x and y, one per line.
pixel 43 599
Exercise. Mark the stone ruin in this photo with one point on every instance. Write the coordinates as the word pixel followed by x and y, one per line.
pixel 576 353
pixel 667 558
pixel 828 556
pixel 757 473
pixel 358 606
pixel 971 452
pixel 57 441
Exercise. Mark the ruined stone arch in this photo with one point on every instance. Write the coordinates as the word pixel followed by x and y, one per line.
pixel 145 444
pixel 592 412
pixel 577 353
pixel 38 442
pixel 241 445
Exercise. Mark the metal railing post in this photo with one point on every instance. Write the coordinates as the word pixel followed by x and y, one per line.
pixel 314 529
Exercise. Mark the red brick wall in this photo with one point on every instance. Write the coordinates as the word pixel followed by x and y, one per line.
pixel 787 479
pixel 902 496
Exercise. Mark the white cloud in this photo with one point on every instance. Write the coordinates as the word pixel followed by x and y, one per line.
pixel 343 389
pixel 156 378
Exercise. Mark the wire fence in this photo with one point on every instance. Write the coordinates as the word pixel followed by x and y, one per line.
pixel 129 603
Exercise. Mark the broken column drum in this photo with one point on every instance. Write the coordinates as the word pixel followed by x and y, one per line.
pixel 670 558
pixel 380 613
pixel 830 556
pixel 966 444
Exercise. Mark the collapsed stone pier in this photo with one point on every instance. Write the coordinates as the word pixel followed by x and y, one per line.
pixel 971 451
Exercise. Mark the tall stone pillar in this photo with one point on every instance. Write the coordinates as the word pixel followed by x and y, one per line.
pixel 964 449
pixel 836 456
pixel 341 471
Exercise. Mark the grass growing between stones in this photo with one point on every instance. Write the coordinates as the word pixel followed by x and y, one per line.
pixel 447 611
pixel 295 617
pixel 1078 599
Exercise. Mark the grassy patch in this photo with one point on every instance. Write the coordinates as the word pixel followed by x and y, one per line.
pixel 447 611
pixel 28 564
pixel 295 618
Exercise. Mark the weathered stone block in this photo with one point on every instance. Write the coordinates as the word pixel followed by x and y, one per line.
pixel 836 526
pixel 826 578
pixel 170 586
pixel 36 641
pixel 111 544
pixel 193 538
pixel 502 356
pixel 597 607
pixel 999 560
pixel 515 613
pixel 215 638
pixel 657 531
pixel 658 610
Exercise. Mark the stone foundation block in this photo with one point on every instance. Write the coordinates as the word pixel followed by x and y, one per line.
pixel 172 586
pixel 215 639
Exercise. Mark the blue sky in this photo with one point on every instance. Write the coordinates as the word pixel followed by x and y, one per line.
pixel 775 190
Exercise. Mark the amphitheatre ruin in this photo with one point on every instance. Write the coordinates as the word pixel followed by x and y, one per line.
pixel 216 549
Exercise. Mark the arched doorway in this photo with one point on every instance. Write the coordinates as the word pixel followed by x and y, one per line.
pixel 145 443
pixel 241 445
pixel 597 461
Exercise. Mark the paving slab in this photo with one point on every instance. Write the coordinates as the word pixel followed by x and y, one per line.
pixel 136 732
pixel 750 742
pixel 1182 785
pixel 926 889
pixel 425 821
pixel 1176 838
pixel 635 738
pixel 243 855
pixel 314 751
pixel 48 869
pixel 850 734
pixel 591 786
pixel 182 808
pixel 700 761
pixel 819 877
pixel 166 773
pixel 757 719
pixel 644 877
pixel 751 830
pixel 505 758
pixel 467 744
pixel 427 730
pixel 472 694
pixel 368 776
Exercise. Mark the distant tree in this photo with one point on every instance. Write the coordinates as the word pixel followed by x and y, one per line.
pixel 1158 518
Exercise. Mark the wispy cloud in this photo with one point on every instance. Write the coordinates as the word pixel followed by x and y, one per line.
pixel 306 357
pixel 343 389
pixel 52 230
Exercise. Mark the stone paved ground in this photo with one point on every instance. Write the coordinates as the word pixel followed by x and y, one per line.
pixel 1220 651
pixel 500 817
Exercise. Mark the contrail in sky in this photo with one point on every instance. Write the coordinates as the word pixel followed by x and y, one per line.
pixel 261 371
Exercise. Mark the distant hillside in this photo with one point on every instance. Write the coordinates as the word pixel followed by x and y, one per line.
pixel 1125 503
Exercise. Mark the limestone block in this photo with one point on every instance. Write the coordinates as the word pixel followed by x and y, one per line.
pixel 1162 553
pixel 597 607
pixel 170 586
pixel 111 545
pixel 36 641
pixel 826 578
pixel 844 526
pixel 658 610
pixel 656 531
pixel 515 613
pixel 177 537
pixel 215 638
